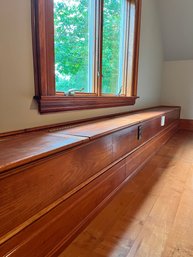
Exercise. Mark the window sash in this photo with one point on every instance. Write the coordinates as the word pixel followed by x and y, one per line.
pixel 43 42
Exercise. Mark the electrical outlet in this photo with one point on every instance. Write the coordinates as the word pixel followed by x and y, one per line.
pixel 163 120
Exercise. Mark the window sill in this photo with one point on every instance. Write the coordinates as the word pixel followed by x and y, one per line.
pixel 48 104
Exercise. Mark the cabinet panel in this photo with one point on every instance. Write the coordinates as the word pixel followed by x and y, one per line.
pixel 136 159
pixel 34 188
pixel 150 128
pixel 144 153
pixel 58 225
pixel 125 141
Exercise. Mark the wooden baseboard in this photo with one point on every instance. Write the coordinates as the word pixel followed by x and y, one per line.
pixel 186 124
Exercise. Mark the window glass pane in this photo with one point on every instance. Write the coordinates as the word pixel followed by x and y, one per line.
pixel 73 42
pixel 113 46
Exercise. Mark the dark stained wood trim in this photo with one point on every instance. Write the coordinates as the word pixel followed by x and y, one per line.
pixel 70 124
pixel 49 104
pixel 99 53
pixel 43 47
pixel 50 57
pixel 34 28
pixel 136 47
pixel 186 124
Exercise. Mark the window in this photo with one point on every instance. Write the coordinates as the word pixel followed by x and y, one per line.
pixel 85 53
pixel 74 44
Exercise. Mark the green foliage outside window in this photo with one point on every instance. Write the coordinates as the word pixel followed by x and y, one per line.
pixel 111 46
pixel 72 45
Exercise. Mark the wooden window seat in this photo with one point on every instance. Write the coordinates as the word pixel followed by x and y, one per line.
pixel 53 182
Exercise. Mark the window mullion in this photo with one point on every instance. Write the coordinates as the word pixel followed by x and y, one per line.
pixel 131 48
pixel 126 60
pixel 138 5
pixel 99 38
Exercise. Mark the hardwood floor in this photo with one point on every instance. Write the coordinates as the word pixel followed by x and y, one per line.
pixel 152 216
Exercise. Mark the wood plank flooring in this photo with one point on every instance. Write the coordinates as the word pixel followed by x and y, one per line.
pixel 152 216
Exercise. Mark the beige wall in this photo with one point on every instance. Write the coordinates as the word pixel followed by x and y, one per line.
pixel 17 109
pixel 178 86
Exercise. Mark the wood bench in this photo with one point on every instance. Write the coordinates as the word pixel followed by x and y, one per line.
pixel 53 182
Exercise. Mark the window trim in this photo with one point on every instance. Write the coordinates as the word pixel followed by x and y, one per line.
pixel 44 74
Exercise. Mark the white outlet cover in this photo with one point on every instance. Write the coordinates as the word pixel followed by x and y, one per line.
pixel 163 119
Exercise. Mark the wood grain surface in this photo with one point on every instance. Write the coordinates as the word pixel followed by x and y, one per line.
pixel 22 149
pixel 104 127
pixel 33 191
pixel 25 148
pixel 53 231
pixel 152 215
pixel 52 183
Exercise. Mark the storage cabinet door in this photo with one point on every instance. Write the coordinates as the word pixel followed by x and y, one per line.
pixel 150 128
pixel 125 141
pixel 41 185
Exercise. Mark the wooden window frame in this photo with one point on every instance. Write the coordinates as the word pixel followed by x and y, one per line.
pixel 44 74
